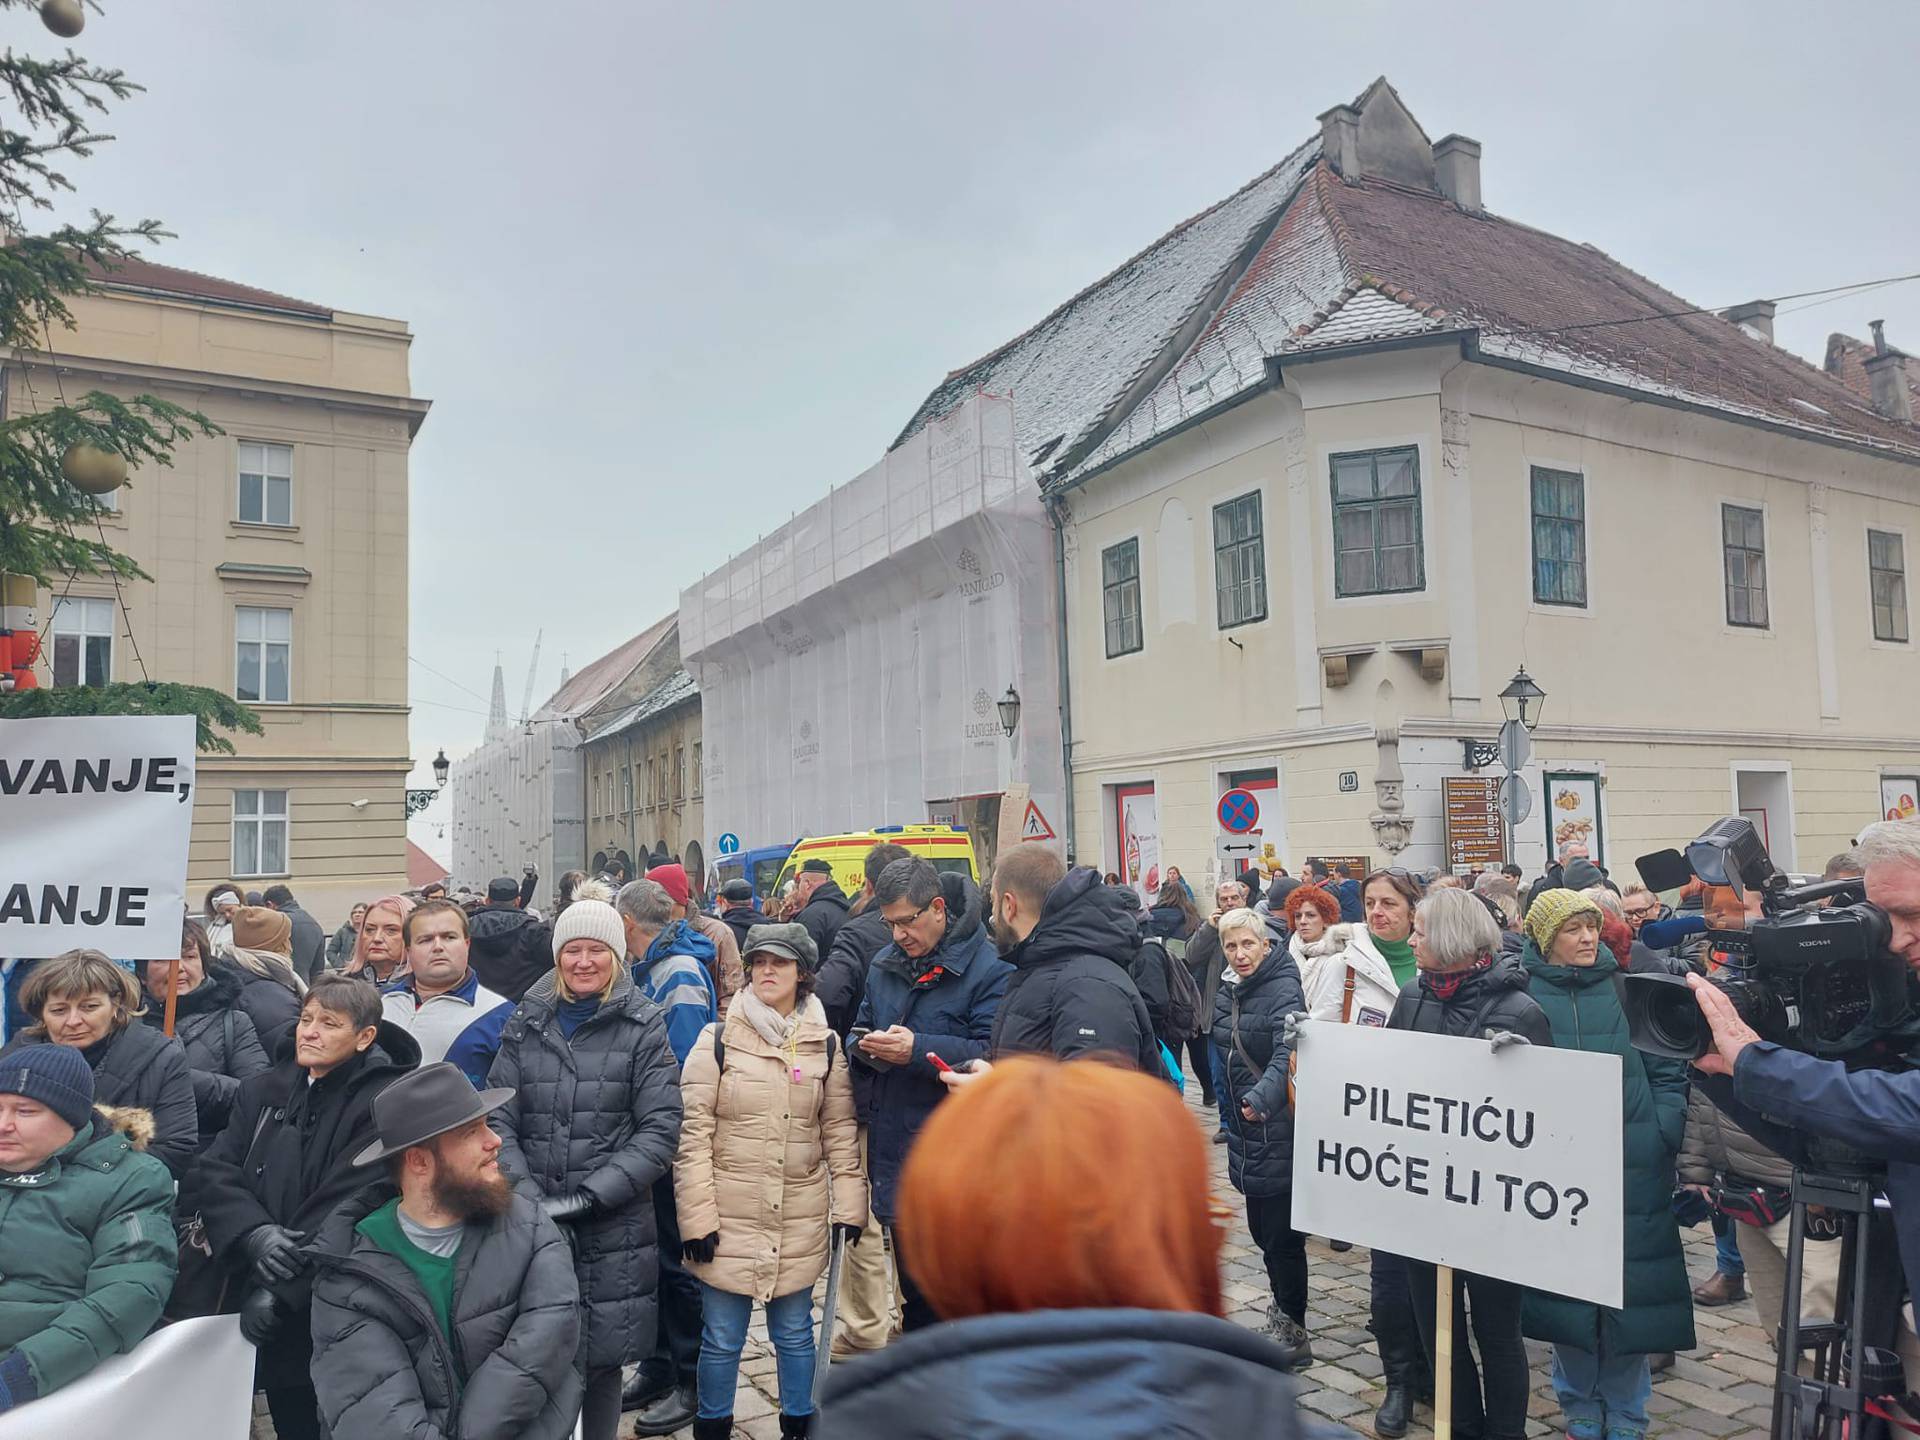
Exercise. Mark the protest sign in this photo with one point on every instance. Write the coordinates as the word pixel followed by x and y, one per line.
pixel 95 812
pixel 1506 1164
pixel 191 1381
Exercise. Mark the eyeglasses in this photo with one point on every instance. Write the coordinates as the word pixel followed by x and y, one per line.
pixel 896 926
pixel 1646 913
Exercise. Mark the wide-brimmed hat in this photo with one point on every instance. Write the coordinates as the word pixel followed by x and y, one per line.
pixel 424 1103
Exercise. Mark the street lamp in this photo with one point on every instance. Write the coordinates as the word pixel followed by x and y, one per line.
pixel 1520 694
pixel 1010 711
pixel 440 767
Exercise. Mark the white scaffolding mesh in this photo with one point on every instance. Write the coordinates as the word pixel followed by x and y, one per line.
pixel 850 663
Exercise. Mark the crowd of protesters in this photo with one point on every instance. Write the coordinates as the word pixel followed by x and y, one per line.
pixel 466 1168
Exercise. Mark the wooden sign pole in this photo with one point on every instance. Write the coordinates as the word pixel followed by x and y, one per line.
pixel 1443 1353
pixel 173 993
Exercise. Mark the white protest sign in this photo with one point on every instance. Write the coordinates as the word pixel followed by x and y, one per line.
pixel 1506 1164
pixel 191 1381
pixel 95 812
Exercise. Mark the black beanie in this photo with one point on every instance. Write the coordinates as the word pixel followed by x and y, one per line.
pixel 58 1076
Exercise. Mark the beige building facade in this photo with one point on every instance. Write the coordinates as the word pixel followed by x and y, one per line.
pixel 642 761
pixel 278 557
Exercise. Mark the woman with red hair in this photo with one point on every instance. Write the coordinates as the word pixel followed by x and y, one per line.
pixel 1057 1215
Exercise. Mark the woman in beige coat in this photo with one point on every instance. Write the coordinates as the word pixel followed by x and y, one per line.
pixel 768 1114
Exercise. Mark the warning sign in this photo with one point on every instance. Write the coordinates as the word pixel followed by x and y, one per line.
pixel 1035 826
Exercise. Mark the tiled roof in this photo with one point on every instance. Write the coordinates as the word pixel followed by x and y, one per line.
pixel 1302 260
pixel 1847 363
pixel 144 275
pixel 676 689
pixel 591 681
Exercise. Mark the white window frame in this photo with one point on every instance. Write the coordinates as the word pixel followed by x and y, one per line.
pixel 263 643
pixel 1907 596
pixel 257 820
pixel 265 453
pixel 89 609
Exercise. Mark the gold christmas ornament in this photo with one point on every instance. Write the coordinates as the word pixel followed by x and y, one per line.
pixel 65 18
pixel 92 470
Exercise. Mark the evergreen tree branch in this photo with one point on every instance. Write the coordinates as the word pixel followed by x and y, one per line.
pixel 209 708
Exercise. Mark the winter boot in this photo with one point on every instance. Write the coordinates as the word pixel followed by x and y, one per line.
pixel 794 1427
pixel 720 1428
pixel 670 1412
pixel 1291 1336
pixel 1400 1365
pixel 652 1381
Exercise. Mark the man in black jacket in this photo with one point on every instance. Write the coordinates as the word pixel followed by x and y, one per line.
pixel 825 910
pixel 843 970
pixel 450 1307
pixel 1071 941
pixel 282 1165
pixel 734 905
pixel 508 948
pixel 309 940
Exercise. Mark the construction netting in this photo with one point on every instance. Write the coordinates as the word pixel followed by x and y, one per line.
pixel 851 664
pixel 518 801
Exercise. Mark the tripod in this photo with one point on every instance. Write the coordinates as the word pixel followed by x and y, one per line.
pixel 1830 1401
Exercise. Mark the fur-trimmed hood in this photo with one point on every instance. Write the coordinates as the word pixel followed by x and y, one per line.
pixel 131 1121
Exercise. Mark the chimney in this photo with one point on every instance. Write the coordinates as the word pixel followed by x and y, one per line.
pixel 1340 140
pixel 1887 369
pixel 1456 171
pixel 1755 317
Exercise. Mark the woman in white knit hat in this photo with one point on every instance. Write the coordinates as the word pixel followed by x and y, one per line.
pixel 594 1121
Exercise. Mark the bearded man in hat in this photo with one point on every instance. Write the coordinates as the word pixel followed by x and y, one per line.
pixel 449 1307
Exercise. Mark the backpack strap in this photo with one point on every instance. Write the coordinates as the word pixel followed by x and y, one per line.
pixel 719 1051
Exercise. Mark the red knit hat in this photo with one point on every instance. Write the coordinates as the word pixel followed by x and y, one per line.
pixel 673 880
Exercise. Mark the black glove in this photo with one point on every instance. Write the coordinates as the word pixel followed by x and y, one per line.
pixel 564 1208
pixel 259 1316
pixel 702 1250
pixel 275 1253
pixel 848 1233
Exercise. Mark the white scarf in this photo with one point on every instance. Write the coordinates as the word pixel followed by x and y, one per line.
pixel 771 1026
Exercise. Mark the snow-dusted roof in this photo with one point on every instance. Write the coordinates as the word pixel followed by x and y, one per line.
pixel 676 689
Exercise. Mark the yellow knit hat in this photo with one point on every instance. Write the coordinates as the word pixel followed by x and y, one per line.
pixel 1548 915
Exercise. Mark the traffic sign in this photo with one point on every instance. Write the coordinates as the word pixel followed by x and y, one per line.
pixel 1515 746
pixel 1516 801
pixel 1239 812
pixel 729 844
pixel 1034 826
pixel 1232 847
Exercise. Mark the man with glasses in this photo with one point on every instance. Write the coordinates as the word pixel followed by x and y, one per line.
pixel 1642 905
pixel 932 990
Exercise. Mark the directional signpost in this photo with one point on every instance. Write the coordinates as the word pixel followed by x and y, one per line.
pixel 1235 848
pixel 729 844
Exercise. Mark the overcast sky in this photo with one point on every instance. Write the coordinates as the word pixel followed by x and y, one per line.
pixel 673 271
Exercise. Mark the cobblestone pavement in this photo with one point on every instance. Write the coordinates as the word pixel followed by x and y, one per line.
pixel 1722 1388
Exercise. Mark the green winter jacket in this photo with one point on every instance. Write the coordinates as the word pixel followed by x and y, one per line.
pixel 1583 1007
pixel 90 1250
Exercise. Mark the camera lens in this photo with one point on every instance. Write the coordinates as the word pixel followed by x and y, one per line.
pixel 1663 1018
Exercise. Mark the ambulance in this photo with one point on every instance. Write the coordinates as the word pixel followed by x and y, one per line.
pixel 949 847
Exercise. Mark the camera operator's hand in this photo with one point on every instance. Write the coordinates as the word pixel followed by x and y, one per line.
pixel 1731 1034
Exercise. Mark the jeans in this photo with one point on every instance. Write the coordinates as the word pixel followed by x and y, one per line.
pixel 1726 1247
pixel 1270 1218
pixel 724 1332
pixel 1602 1394
pixel 1500 1411
pixel 676 1346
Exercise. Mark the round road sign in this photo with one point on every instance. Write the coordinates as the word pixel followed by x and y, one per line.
pixel 1239 812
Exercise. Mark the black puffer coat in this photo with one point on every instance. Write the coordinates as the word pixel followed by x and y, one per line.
pixel 382 1366
pixel 222 1047
pixel 509 949
pixel 1248 1021
pixel 600 1113
pixel 1071 993
pixel 285 1159
pixel 823 914
pixel 140 1069
pixel 273 1007
pixel 843 972
pixel 1495 998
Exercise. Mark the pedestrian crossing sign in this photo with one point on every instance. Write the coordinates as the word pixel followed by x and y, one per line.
pixel 1034 826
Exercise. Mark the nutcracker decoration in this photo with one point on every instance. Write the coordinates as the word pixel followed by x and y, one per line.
pixel 19 637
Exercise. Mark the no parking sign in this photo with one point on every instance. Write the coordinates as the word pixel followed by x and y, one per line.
pixel 1239 812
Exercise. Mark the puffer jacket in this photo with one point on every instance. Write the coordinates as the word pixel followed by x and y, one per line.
pixel 599 1113
pixel 221 1046
pixel 382 1365
pixel 1071 992
pixel 141 1069
pixel 1495 998
pixel 1067 1374
pixel 823 914
pixel 1248 1018
pixel 1583 1008
pixel 90 1250
pixel 1325 965
pixel 1714 1149
pixel 947 998
pixel 285 1159
pixel 756 1148
pixel 272 1004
